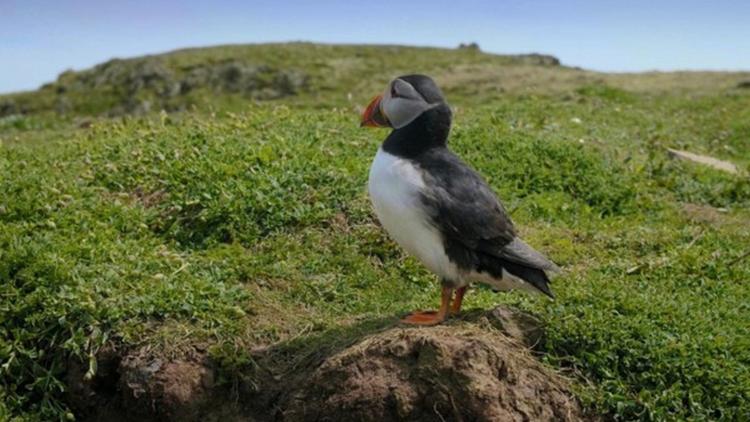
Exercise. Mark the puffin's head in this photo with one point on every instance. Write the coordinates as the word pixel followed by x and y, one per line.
pixel 405 99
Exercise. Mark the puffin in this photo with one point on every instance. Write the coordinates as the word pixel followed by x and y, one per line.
pixel 439 209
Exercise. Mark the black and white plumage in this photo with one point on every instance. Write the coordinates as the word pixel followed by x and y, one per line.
pixel 434 205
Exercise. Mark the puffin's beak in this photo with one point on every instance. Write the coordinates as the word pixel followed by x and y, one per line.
pixel 373 116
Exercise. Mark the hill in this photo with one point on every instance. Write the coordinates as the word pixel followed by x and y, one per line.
pixel 236 234
pixel 217 76
pixel 324 75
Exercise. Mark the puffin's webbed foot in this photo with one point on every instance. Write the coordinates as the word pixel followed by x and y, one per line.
pixel 423 318
pixel 432 317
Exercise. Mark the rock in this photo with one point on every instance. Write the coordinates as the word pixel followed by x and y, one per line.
pixel 195 78
pixel 524 328
pixel 703 159
pixel 237 77
pixel 149 75
pixel 744 84
pixel 8 107
pixel 261 82
pixel 142 85
pixel 537 59
pixel 470 46
pixel 289 82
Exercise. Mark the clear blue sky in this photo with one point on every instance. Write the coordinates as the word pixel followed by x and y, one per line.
pixel 39 39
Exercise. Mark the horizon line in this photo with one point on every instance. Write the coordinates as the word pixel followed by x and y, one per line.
pixel 370 44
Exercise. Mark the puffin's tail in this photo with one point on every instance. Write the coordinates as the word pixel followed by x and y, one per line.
pixel 534 276
pixel 521 261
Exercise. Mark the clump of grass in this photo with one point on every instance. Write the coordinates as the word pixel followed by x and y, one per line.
pixel 217 187
pixel 606 92
pixel 695 184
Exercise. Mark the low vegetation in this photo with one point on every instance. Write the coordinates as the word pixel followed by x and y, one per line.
pixel 239 224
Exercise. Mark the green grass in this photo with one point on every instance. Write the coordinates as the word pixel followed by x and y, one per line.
pixel 250 225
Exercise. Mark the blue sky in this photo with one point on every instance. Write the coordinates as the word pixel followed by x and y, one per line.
pixel 39 39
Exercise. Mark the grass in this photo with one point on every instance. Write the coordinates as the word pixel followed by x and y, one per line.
pixel 248 224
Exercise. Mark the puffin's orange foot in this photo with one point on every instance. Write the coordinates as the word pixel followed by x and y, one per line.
pixel 424 318
pixel 456 305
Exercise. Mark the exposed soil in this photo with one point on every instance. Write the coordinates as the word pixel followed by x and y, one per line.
pixel 479 368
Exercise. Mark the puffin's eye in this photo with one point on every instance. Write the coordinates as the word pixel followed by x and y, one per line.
pixel 394 94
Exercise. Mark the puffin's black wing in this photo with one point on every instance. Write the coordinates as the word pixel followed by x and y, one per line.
pixel 477 231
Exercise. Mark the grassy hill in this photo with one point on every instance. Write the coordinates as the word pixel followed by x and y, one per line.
pixel 238 218
pixel 323 75
pixel 232 75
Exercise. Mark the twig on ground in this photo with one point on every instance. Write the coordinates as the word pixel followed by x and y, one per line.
pixel 739 258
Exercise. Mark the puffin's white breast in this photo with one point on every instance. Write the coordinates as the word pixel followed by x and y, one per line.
pixel 395 185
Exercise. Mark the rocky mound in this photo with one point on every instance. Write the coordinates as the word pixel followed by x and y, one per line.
pixel 140 85
pixel 480 369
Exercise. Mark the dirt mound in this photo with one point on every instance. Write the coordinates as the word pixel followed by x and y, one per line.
pixel 142 387
pixel 441 373
pixel 180 389
pixel 479 368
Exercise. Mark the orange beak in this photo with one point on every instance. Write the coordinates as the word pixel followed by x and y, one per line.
pixel 373 116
